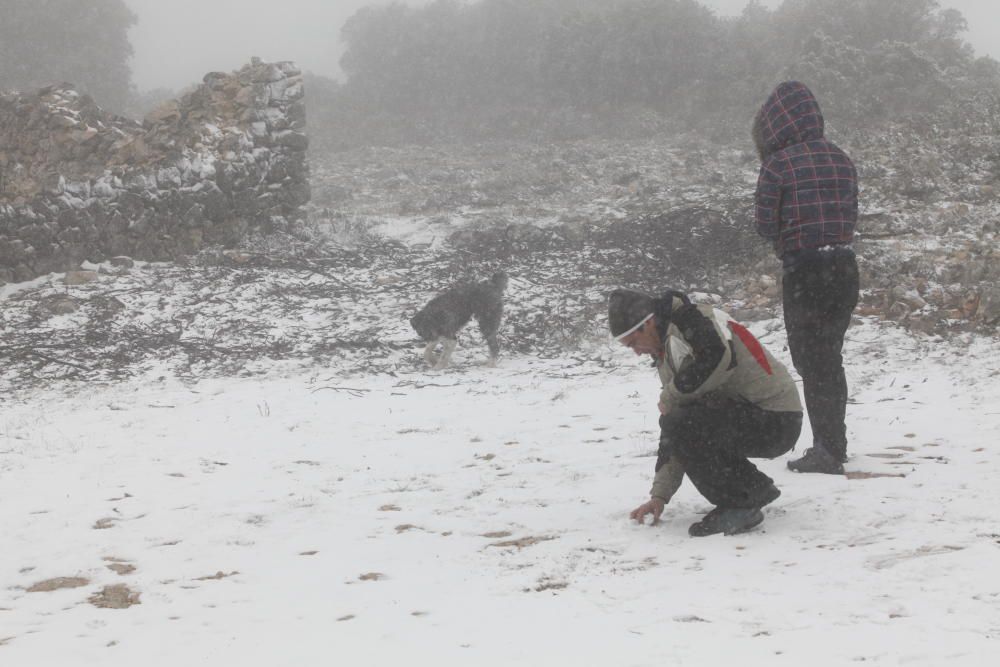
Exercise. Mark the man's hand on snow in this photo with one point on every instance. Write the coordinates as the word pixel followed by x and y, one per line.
pixel 662 407
pixel 652 506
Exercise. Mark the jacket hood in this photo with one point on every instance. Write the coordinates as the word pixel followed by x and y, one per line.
pixel 791 115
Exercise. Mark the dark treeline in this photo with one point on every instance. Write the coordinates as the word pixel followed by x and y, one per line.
pixel 470 69
pixel 85 43
pixel 458 69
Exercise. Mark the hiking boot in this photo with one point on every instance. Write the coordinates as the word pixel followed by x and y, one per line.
pixel 817 459
pixel 768 495
pixel 819 443
pixel 726 520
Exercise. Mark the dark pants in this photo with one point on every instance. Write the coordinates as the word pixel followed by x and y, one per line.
pixel 820 293
pixel 712 439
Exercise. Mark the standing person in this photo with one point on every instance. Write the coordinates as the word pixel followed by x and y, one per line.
pixel 724 398
pixel 807 206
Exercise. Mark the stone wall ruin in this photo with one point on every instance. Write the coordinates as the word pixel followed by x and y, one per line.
pixel 80 184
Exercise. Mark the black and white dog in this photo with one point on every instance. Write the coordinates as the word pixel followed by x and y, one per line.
pixel 442 318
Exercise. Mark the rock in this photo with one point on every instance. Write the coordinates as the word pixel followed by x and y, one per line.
pixel 898 311
pixel 970 305
pixel 295 141
pixel 936 296
pixel 57 304
pixel 910 297
pixel 122 261
pixel 224 159
pixel 64 121
pixel 80 277
pixel 769 286
pixel 54 184
pixel 989 306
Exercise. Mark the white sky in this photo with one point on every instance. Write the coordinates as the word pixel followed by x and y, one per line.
pixel 177 41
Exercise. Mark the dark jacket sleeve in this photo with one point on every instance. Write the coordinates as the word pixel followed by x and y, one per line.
pixel 703 368
pixel 669 472
pixel 707 349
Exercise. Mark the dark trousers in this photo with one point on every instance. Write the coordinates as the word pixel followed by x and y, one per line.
pixel 712 439
pixel 820 291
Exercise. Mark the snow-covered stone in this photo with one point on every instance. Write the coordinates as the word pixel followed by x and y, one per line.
pixel 226 158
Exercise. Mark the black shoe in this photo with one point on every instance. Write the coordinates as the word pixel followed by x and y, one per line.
pixel 817 459
pixel 726 520
pixel 818 443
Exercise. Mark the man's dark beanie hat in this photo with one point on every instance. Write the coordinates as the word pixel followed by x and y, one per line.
pixel 627 309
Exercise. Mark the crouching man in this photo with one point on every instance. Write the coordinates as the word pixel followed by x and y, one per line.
pixel 724 399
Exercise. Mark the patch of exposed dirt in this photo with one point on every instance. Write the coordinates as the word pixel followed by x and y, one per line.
pixel 922 552
pixel 121 568
pixel 116 596
pixel 550 586
pixel 57 583
pixel 218 575
pixel 859 474
pixel 522 542
pixel 406 527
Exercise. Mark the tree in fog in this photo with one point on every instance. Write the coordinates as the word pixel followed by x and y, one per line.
pixel 82 42
pixel 872 59
pixel 454 67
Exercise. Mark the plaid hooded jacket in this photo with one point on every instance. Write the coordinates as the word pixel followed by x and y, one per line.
pixel 807 190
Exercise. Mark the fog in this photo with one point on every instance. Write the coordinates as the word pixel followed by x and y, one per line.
pixel 203 36
pixel 199 36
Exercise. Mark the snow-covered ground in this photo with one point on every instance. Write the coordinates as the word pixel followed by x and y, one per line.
pixel 478 516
